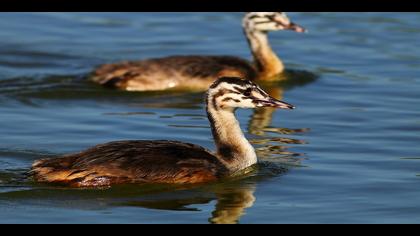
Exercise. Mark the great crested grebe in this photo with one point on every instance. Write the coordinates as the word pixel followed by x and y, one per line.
pixel 164 161
pixel 198 72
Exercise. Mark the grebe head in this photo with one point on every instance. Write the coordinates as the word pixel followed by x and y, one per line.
pixel 233 92
pixel 269 21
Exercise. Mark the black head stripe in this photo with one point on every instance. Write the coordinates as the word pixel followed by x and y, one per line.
pixel 264 22
pixel 230 99
pixel 230 80
pixel 253 17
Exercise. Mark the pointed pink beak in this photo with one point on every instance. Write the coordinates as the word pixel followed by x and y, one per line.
pixel 295 27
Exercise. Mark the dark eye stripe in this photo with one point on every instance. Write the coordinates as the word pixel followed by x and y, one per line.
pixel 253 17
pixel 230 99
pixel 264 22
pixel 269 16
pixel 232 91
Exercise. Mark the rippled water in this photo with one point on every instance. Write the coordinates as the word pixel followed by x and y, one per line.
pixel 349 153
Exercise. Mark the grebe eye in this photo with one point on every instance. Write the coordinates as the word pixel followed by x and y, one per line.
pixel 248 92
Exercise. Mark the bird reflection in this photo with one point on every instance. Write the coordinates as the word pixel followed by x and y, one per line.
pixel 232 199
pixel 261 118
pixel 231 206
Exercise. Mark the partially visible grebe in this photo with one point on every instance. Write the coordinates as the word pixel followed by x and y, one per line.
pixel 198 72
pixel 164 161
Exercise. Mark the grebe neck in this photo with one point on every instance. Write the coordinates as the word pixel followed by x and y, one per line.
pixel 233 149
pixel 266 61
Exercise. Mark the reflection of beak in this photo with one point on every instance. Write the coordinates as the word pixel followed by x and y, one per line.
pixel 295 27
pixel 272 102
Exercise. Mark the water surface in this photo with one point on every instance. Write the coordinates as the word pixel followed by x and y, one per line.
pixel 349 153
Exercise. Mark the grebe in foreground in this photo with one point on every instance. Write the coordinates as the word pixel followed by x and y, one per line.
pixel 163 161
pixel 198 72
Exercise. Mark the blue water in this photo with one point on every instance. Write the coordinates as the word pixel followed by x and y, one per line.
pixel 349 153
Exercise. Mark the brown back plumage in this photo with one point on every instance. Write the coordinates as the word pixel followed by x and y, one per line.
pixel 183 72
pixel 159 161
pixel 198 72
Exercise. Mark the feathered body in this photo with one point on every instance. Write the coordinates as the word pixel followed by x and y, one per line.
pixel 193 72
pixel 132 161
pixel 180 72
pixel 165 161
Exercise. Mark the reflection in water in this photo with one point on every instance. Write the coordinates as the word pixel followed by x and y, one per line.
pixel 232 198
pixel 262 117
pixel 369 66
pixel 231 205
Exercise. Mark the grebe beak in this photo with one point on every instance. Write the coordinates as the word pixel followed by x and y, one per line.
pixel 272 102
pixel 295 27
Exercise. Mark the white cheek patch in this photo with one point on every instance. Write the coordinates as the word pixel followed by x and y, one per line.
pixel 247 104
pixel 259 20
pixel 268 26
